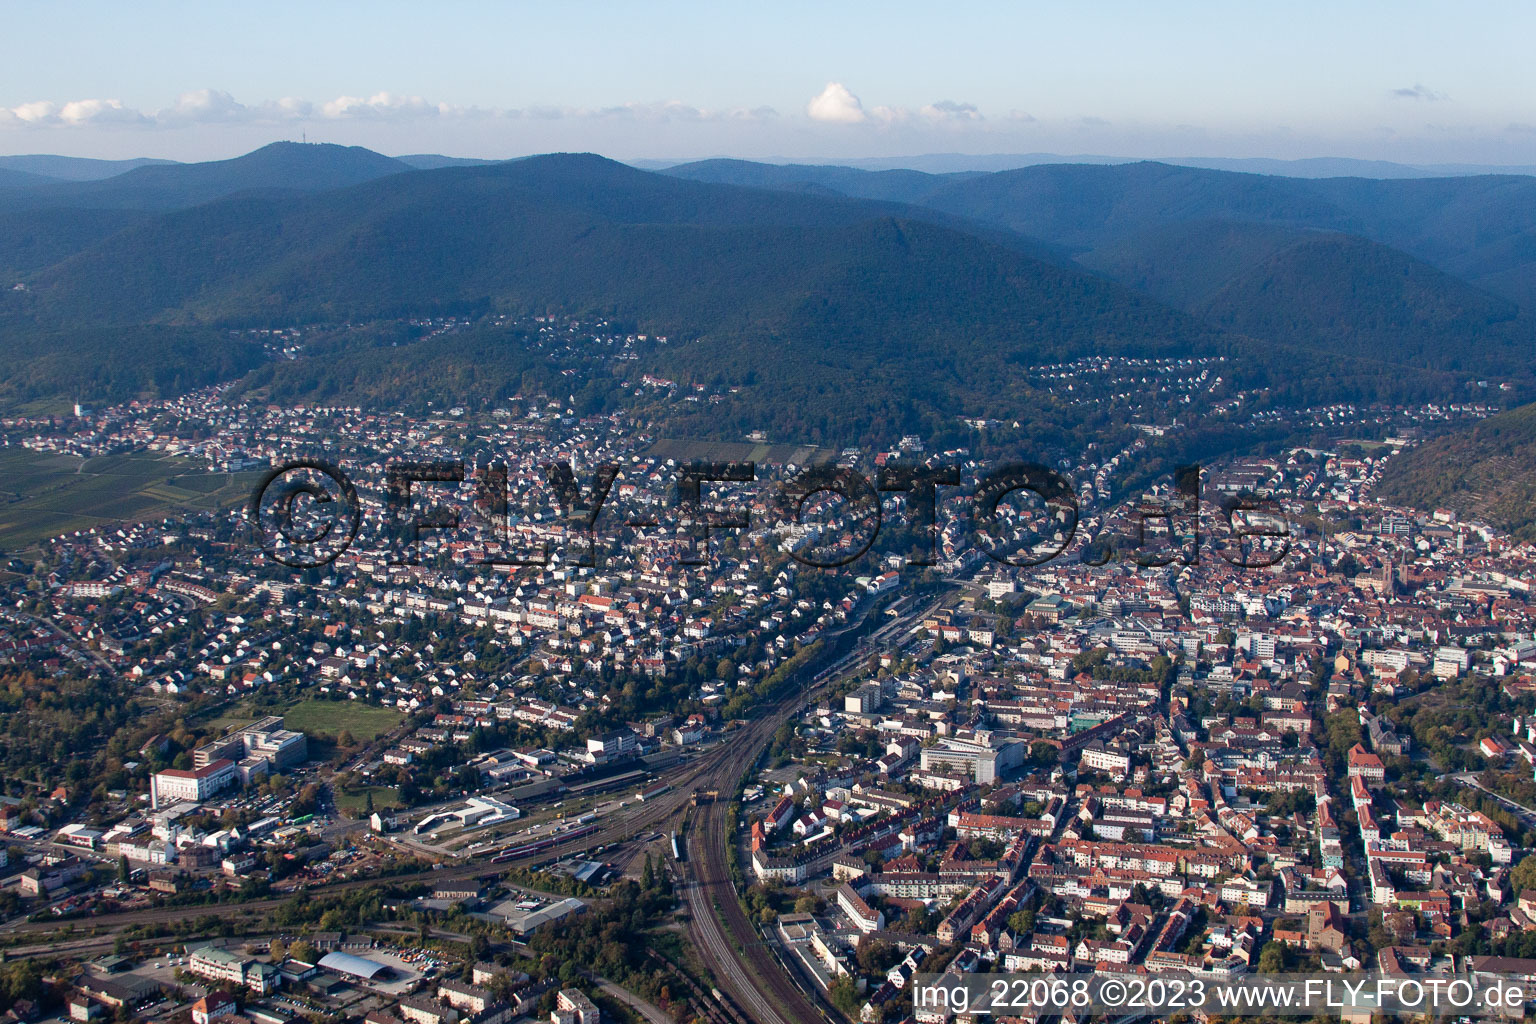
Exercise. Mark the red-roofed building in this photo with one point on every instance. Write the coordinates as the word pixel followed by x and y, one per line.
pixel 177 785
pixel 1365 765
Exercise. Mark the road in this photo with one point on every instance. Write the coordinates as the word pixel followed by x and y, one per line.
pixel 1526 815
pixel 70 639
pixel 640 817
pixel 650 1011
pixel 744 965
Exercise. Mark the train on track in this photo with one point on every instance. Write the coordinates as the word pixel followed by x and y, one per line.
pixel 527 849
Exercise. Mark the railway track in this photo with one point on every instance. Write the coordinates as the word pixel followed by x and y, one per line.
pixel 743 963
pixel 757 985
pixel 763 989
pixel 646 816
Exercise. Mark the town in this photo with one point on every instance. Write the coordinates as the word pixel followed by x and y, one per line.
pixel 453 788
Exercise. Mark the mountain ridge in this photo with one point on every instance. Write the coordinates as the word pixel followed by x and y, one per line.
pixel 280 165
pixel 805 290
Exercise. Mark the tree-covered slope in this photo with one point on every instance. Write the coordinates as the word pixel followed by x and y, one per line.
pixel 31 240
pixel 281 165
pixel 1325 290
pixel 803 295
pixel 1486 472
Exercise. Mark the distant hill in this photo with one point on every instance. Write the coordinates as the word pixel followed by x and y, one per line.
pixel 282 165
pixel 1344 167
pixel 990 163
pixel 74 168
pixel 10 178
pixel 799 293
pixel 432 161
pixel 839 317
pixel 1485 472
pixel 1186 263
pixel 1090 206
pixel 1324 290
pixel 565 229
pixel 1480 228
pixel 899 186
pixel 31 240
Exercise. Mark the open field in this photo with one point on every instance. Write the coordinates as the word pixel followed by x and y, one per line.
pixel 333 717
pixel 236 716
pixel 739 451
pixel 384 797
pixel 44 495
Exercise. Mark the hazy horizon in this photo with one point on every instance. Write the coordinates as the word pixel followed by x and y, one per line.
pixel 933 163
pixel 1412 84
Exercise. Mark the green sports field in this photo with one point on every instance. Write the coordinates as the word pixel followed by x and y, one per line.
pixel 333 717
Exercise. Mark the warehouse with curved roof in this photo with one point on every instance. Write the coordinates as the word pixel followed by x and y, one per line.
pixel 356 967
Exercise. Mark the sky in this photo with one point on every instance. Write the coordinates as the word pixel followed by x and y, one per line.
pixel 1405 81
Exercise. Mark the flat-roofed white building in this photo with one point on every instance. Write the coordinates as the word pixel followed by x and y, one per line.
pixel 192 785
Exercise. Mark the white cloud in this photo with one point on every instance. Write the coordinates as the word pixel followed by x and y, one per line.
pixel 836 105
pixel 208 106
pixel 81 112
pixel 668 110
pixel 75 113
pixel 949 110
pixel 1419 92
pixel 384 106
pixel 289 108
pixel 35 113
pixel 202 106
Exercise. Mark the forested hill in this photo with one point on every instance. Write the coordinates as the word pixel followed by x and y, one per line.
pixel 1487 472
pixel 581 232
pixel 795 291
pixel 842 310
pixel 166 186
pixel 1325 290
pixel 1478 228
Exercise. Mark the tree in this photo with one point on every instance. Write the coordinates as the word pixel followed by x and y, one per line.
pixel 1523 875
pixel 876 956
pixel 1272 958
pixel 501 985
pixel 844 995
pixel 921 921
pixel 20 979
